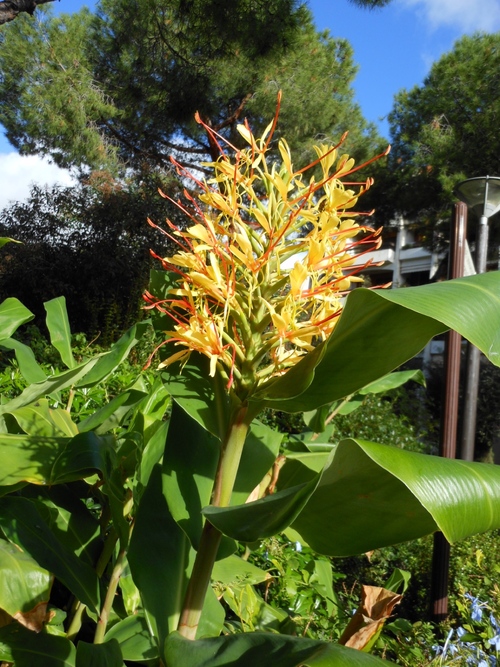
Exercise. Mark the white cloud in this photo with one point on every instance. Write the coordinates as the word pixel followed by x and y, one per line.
pixel 466 15
pixel 18 173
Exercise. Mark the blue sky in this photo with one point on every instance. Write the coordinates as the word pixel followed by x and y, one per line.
pixel 394 48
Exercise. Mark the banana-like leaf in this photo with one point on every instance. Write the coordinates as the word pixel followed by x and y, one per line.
pixel 392 381
pixel 24 522
pixel 71 521
pixel 30 370
pixel 109 361
pixel 200 395
pixel 159 542
pixel 111 414
pixel 263 649
pixel 12 315
pixel 43 421
pixel 26 648
pixel 189 465
pixel 40 459
pixel 51 385
pixel 264 517
pixel 159 559
pixel 134 637
pixel 24 586
pixel 59 330
pixel 371 495
pixel 107 654
pixel 381 329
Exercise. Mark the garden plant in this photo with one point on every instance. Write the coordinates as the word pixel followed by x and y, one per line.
pixel 126 533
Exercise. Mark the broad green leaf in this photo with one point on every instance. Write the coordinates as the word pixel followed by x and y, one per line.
pixel 189 465
pixel 24 584
pixel 109 361
pixel 252 610
pixel 12 315
pixel 131 595
pixel 162 545
pixel 213 616
pixel 59 329
pixel 152 411
pixel 314 460
pixel 373 495
pixel 233 569
pixel 43 421
pixel 200 396
pixel 381 329
pixel 27 649
pixel 52 460
pixel 392 381
pixel 107 654
pixel 23 522
pixel 30 370
pixel 134 638
pixel 264 517
pixel 152 454
pixel 51 385
pixel 369 496
pixel 159 559
pixel 111 415
pixel 70 520
pixel 263 649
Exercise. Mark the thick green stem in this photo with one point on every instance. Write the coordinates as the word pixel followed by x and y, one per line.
pixel 102 623
pixel 211 536
pixel 76 619
pixel 230 459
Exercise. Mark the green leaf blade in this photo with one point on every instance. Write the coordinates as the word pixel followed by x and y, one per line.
pixel 265 650
pixel 12 315
pixel 59 329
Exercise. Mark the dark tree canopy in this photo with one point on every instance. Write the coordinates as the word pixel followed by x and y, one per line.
pixel 446 130
pixel 90 243
pixel 119 88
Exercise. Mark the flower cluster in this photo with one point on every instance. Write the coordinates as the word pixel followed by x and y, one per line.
pixel 264 264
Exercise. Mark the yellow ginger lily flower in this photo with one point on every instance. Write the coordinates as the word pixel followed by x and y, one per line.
pixel 265 263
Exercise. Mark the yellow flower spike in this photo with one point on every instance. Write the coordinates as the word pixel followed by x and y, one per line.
pixel 234 302
pixel 298 276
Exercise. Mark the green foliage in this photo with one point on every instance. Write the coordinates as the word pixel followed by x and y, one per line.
pixel 88 242
pixel 119 89
pixel 445 131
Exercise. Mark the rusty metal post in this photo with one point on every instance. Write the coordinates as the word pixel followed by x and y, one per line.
pixel 449 419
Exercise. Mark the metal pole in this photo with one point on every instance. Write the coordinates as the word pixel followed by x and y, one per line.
pixel 468 442
pixel 448 441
